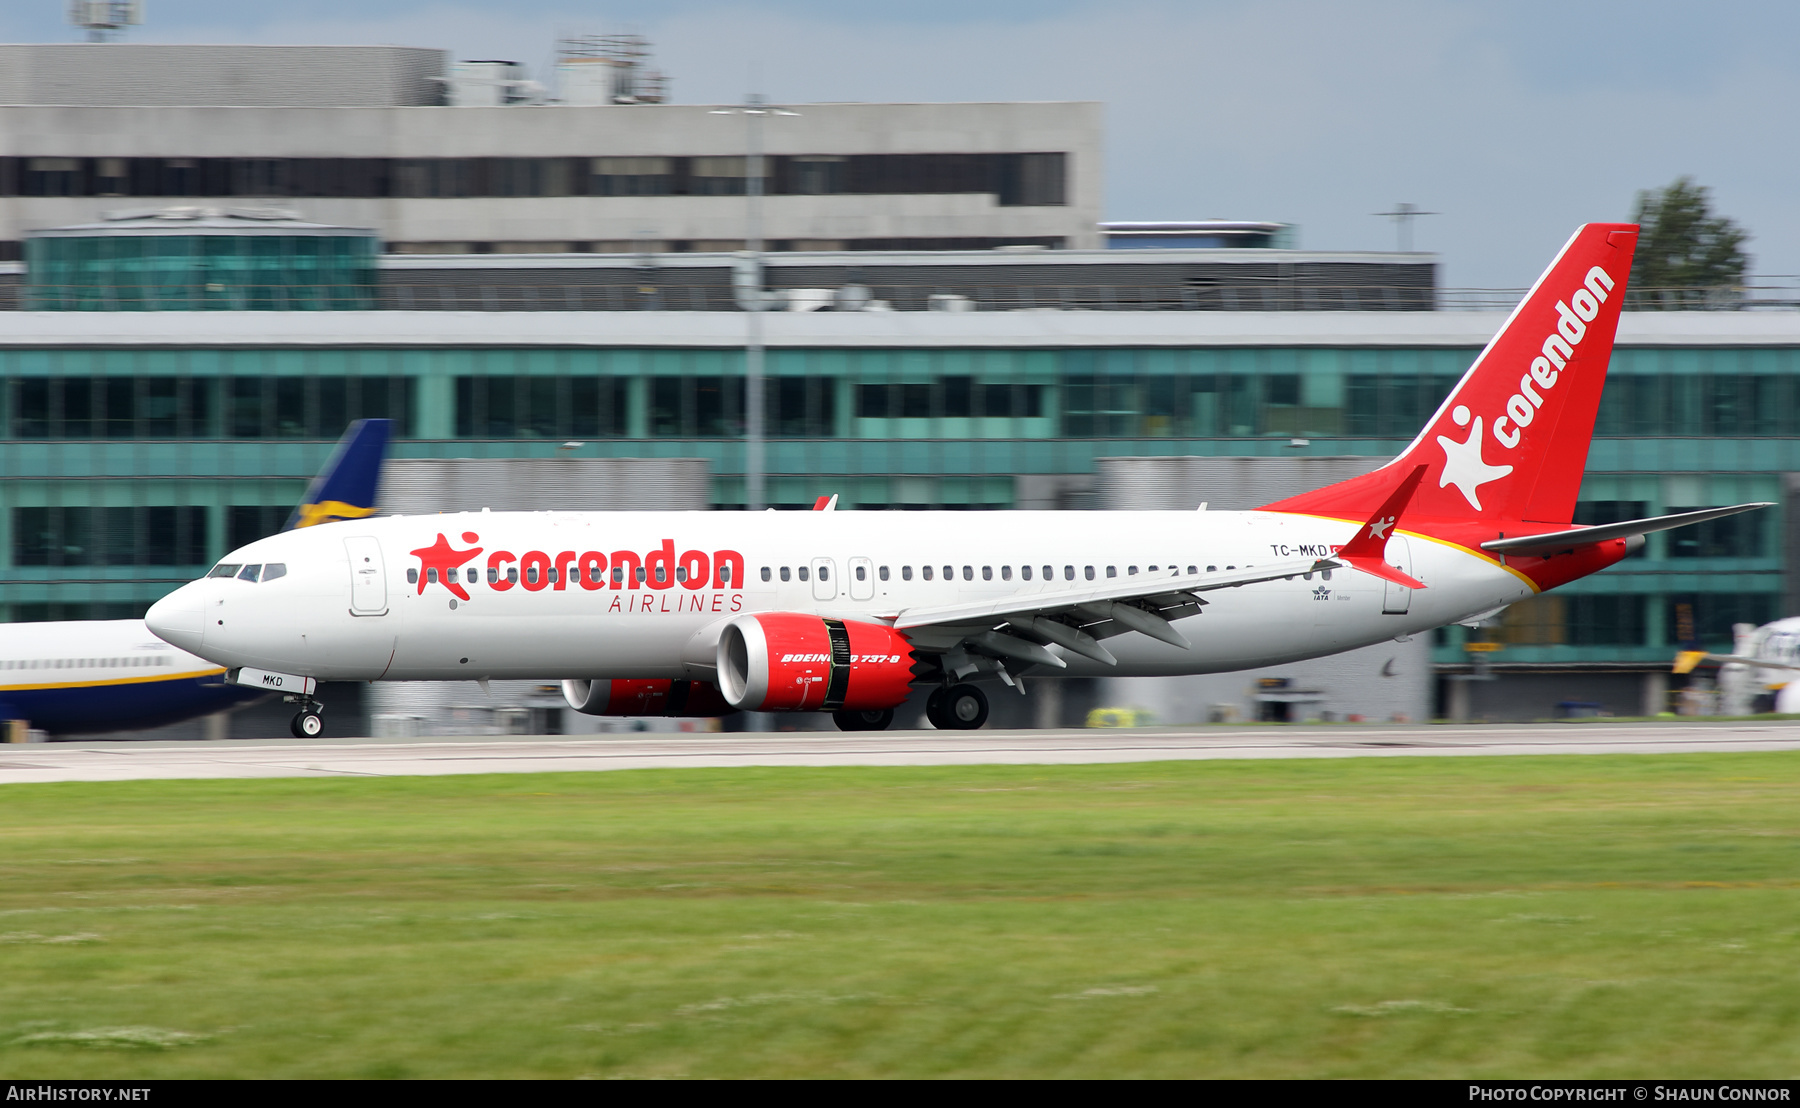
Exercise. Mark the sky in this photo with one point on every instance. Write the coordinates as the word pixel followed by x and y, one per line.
pixel 1514 121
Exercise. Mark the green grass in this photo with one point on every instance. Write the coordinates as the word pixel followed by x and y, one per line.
pixel 1428 917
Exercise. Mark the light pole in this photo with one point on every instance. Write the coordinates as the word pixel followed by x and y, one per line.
pixel 747 287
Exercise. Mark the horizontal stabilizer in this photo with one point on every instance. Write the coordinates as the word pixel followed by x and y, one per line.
pixel 1553 541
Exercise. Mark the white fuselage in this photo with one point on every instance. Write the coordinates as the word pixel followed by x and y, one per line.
pixel 315 622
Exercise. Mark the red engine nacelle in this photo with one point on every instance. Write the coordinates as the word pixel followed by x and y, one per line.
pixel 656 697
pixel 790 662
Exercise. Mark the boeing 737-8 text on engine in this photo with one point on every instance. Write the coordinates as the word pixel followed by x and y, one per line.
pixel 641 613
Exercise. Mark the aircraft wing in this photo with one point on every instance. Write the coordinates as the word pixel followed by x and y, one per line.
pixel 1553 541
pixel 1021 627
pixel 1686 660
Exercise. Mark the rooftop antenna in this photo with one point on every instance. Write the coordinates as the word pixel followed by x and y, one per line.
pixel 1403 215
pixel 105 19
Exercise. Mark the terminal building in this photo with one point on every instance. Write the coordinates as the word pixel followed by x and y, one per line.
pixel 144 436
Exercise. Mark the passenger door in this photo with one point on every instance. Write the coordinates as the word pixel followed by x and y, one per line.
pixel 368 578
pixel 862 579
pixel 1397 598
pixel 824 575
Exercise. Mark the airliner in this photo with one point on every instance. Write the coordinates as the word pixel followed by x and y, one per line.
pixel 846 612
pixel 1762 666
pixel 92 676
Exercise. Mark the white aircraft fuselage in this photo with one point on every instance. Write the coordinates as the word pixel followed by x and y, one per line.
pixel 346 610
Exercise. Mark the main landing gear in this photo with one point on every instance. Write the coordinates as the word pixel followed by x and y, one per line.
pixel 307 722
pixel 957 708
pixel 863 721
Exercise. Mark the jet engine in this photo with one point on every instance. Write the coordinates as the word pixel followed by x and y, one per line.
pixel 791 662
pixel 619 697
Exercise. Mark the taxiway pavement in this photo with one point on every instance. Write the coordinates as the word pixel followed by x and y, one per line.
pixel 138 761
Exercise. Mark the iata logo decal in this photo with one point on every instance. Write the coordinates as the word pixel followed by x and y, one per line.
pixel 693 581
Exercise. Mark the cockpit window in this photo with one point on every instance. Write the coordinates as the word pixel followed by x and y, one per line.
pixel 226 569
pixel 250 573
pixel 279 569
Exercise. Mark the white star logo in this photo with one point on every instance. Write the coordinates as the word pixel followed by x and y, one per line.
pixel 1463 466
pixel 1379 528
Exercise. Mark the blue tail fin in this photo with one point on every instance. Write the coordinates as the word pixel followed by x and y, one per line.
pixel 348 485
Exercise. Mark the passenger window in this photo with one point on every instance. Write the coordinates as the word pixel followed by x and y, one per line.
pixel 1230 567
pixel 987 573
pixel 824 573
pixel 226 569
pixel 968 573
pixel 802 572
pixel 1326 575
pixel 784 573
pixel 680 574
pixel 493 574
pixel 1212 569
pixel 1025 573
pixel 1131 571
pixel 597 576
pixel 766 574
pixel 1152 569
pixel 1006 573
pixel 1193 570
pixel 662 574
pixel 862 574
pixel 1111 571
pixel 551 573
pixel 640 575
pixel 926 570
pixel 725 574
pixel 1068 573
pixel 883 573
pixel 412 576
pixel 279 569
pixel 531 575
pixel 1089 572
pixel 906 573
pixel 250 573
pixel 512 574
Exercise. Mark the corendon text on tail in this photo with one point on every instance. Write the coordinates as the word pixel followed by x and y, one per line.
pixel 847 612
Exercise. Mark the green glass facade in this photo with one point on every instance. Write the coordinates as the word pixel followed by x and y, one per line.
pixel 128 467
pixel 107 272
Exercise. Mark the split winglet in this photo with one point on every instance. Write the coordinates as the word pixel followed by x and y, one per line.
pixel 1368 550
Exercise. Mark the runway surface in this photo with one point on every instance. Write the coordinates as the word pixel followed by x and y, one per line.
pixel 138 761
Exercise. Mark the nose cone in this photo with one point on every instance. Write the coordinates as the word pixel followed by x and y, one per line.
pixel 178 618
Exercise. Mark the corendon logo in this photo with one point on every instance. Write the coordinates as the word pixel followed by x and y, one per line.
pixel 1464 466
pixel 440 562
pixel 626 571
pixel 1558 348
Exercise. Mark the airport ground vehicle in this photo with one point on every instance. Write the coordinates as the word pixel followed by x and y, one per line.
pixel 846 611
pixel 73 677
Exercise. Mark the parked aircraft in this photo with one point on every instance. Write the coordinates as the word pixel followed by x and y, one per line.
pixel 1760 672
pixel 87 676
pixel 846 611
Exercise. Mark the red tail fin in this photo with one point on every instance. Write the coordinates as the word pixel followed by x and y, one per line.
pixel 1511 441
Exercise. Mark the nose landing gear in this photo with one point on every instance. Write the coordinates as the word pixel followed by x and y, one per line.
pixel 957 708
pixel 307 723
